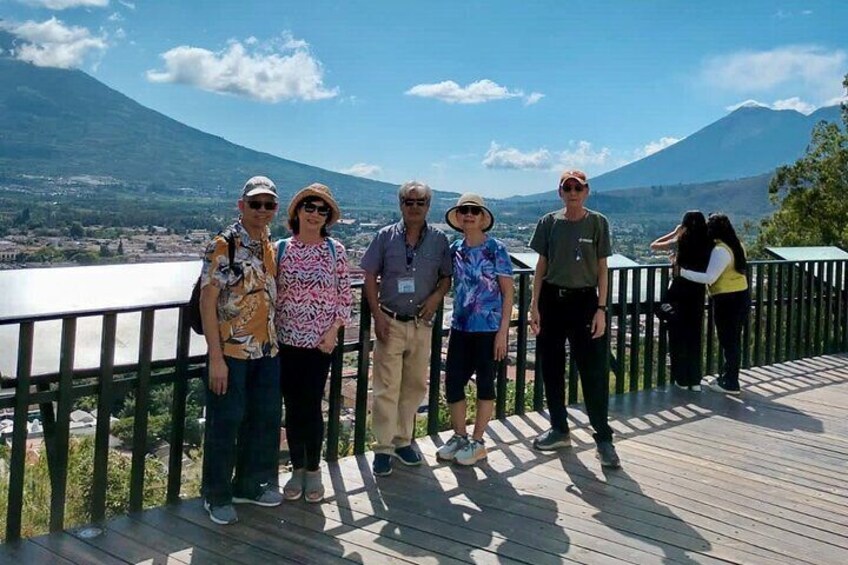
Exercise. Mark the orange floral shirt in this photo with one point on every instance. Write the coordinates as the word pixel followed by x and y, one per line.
pixel 247 296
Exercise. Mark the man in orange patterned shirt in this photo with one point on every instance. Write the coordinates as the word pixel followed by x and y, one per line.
pixel 243 410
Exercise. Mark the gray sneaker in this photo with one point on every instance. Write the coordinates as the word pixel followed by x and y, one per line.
pixel 472 452
pixel 552 440
pixel 448 451
pixel 223 515
pixel 269 497
pixel 607 455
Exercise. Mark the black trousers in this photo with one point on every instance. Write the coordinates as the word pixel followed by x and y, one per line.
pixel 730 312
pixel 303 376
pixel 568 316
pixel 684 333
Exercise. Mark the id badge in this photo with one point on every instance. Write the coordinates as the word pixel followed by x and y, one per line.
pixel 406 285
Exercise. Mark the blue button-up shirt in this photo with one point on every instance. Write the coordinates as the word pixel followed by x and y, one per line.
pixel 390 258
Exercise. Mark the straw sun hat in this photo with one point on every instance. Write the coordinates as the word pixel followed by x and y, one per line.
pixel 469 199
pixel 316 190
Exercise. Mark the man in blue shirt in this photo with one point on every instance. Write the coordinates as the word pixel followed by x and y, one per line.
pixel 413 264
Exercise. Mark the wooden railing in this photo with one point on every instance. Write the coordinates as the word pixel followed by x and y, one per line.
pixel 799 309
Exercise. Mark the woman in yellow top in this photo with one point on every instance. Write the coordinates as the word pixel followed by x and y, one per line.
pixel 728 287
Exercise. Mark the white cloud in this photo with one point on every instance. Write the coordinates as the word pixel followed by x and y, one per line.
pixel 115 17
pixel 53 44
pixel 653 146
pixel 811 68
pixel 475 93
pixel 125 3
pixel 580 155
pixel 794 103
pixel 498 157
pixel 532 98
pixel 65 4
pixel 269 73
pixel 363 170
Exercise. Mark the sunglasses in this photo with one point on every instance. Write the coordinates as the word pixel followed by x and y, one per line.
pixel 473 210
pixel 257 204
pixel 573 186
pixel 415 202
pixel 310 207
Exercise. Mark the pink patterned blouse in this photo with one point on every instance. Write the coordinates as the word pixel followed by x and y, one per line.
pixel 313 291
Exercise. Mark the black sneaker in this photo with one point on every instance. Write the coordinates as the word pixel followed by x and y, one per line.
pixel 607 455
pixel 408 455
pixel 552 440
pixel 721 384
pixel 382 465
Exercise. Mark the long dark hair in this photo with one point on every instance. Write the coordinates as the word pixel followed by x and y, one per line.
pixel 720 228
pixel 695 245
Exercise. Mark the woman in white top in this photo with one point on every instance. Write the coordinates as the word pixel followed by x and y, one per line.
pixel 728 286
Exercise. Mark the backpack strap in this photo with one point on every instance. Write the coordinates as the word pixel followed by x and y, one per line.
pixel 281 248
pixel 332 247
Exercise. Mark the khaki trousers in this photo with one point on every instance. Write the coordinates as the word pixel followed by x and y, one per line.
pixel 400 382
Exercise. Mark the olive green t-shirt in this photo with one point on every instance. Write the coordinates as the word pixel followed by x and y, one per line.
pixel 572 248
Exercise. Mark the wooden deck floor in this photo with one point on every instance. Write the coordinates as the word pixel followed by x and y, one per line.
pixel 705 478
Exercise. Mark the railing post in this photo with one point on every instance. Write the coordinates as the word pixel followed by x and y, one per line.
pixel 521 345
pixel 142 406
pixel 435 372
pixel 662 346
pixel 104 413
pixel 363 363
pixel 335 399
pixel 178 408
pixel 621 335
pixel 771 330
pixel 758 317
pixel 635 328
pixel 648 368
pixel 59 475
pixel 17 458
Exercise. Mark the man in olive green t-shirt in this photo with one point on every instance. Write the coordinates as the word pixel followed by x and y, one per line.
pixel 569 303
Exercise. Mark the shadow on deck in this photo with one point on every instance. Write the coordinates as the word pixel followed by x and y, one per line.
pixel 706 478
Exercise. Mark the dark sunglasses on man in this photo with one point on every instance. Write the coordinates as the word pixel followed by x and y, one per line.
pixel 311 207
pixel 415 202
pixel 257 204
pixel 473 210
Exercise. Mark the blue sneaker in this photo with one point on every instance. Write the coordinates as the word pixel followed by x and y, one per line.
pixel 408 455
pixel 382 465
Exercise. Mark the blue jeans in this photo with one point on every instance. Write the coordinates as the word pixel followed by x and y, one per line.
pixel 242 431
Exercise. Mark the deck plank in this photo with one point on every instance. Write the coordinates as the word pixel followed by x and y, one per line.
pixel 706 478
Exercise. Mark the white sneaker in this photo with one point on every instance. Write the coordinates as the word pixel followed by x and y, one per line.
pixel 695 388
pixel 448 451
pixel 472 452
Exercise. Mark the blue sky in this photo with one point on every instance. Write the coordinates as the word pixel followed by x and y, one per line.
pixel 493 97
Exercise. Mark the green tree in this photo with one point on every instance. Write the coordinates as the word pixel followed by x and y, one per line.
pixel 813 192
pixel 76 231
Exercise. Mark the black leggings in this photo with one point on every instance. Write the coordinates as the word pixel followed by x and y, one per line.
pixel 731 311
pixel 303 376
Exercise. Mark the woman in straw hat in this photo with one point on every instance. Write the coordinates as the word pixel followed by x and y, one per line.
pixel 313 303
pixel 482 306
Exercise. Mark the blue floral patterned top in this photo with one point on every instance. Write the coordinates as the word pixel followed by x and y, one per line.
pixel 478 302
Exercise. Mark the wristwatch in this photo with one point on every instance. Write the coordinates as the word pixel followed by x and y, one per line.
pixel 602 307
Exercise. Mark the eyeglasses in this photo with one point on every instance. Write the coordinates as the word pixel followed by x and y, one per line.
pixel 257 204
pixel 473 210
pixel 309 208
pixel 415 202
pixel 576 187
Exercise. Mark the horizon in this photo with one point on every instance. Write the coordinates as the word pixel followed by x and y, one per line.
pixel 471 97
